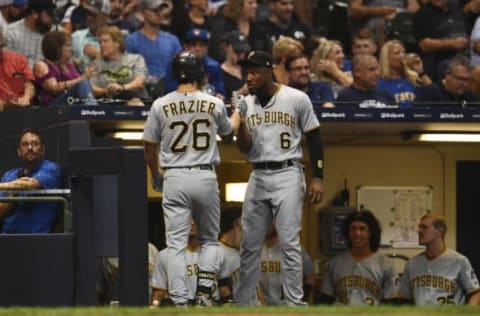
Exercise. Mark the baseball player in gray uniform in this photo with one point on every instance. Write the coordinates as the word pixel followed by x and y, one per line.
pixel 270 132
pixel 361 275
pixel 439 275
pixel 180 137
pixel 159 279
pixel 230 236
pixel 270 282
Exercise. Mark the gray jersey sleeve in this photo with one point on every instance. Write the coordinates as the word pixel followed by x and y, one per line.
pixel 468 277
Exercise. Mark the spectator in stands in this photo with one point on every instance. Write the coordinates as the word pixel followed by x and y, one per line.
pixel 373 13
pixel 117 19
pixel 439 41
pixel 16 79
pixel 280 23
pixel 237 15
pixel 11 11
pixel 415 63
pixel 449 275
pixel 65 15
pixel 57 79
pixel 453 90
pixel 196 41
pixel 363 262
pixel 396 78
pixel 118 75
pixel 327 64
pixel 364 92
pixel 157 47
pixel 363 42
pixel 25 36
pixel 471 9
pixel 235 46
pixel 85 44
pixel 36 173
pixel 284 47
pixel 320 93
pixel 78 17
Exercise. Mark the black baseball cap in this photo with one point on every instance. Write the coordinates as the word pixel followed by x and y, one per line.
pixel 257 58
pixel 238 41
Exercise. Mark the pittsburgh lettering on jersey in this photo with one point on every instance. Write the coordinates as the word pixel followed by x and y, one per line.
pixel 435 281
pixel 270 266
pixel 358 281
pixel 191 106
pixel 192 269
pixel 272 117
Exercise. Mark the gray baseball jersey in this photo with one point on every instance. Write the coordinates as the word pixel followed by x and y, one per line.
pixel 159 279
pixel 186 125
pixel 446 279
pixel 364 282
pixel 275 195
pixel 270 282
pixel 229 267
pixel 277 128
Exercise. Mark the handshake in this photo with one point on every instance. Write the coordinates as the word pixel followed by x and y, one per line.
pixel 240 103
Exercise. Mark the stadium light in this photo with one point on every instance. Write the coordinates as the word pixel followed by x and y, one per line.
pixel 235 191
pixel 449 137
pixel 128 135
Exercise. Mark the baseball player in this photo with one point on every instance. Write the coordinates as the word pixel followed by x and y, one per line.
pixel 270 282
pixel 270 132
pixel 159 279
pixel 180 136
pixel 361 275
pixel 439 275
pixel 230 236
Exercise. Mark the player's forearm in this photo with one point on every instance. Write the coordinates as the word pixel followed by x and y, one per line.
pixel 151 157
pixel 474 299
pixel 244 139
pixel 316 152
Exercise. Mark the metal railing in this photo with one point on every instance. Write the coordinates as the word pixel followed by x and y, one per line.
pixel 47 195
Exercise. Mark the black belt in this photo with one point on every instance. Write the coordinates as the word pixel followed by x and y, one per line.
pixel 272 165
pixel 196 167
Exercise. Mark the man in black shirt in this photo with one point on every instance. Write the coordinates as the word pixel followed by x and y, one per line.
pixel 281 23
pixel 441 33
pixel 453 90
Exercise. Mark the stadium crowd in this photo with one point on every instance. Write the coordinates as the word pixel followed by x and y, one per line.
pixel 119 51
pixel 89 52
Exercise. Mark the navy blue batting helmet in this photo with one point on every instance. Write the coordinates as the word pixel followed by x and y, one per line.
pixel 188 68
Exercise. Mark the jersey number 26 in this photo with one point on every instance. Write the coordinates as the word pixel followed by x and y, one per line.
pixel 200 139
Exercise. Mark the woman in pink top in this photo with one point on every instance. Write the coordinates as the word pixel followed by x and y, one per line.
pixel 57 79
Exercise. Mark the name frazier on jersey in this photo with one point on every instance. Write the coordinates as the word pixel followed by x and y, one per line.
pixel 359 281
pixel 191 106
pixel 274 117
pixel 434 281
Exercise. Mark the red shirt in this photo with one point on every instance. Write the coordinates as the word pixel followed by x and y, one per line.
pixel 14 72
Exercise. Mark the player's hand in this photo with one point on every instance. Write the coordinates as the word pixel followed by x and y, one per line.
pixel 240 103
pixel 157 182
pixel 315 191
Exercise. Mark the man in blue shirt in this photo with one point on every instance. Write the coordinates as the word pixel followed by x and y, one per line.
pixel 196 41
pixel 363 92
pixel 157 47
pixel 36 173
pixel 299 74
